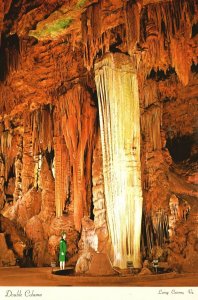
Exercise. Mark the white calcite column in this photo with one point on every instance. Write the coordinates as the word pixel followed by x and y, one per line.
pixel 119 114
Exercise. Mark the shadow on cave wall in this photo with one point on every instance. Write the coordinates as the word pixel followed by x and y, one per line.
pixel 9 55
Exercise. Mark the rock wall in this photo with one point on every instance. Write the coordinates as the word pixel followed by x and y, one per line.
pixel 51 168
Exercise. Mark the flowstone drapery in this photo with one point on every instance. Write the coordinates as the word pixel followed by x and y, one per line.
pixel 77 113
pixel 117 90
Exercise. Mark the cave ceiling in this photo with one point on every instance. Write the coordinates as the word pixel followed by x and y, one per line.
pixel 55 43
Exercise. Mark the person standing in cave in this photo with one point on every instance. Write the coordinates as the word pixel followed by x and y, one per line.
pixel 62 251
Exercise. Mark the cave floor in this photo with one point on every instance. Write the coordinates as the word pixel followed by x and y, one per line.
pixel 14 276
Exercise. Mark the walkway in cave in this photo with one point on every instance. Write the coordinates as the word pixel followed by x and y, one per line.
pixel 15 276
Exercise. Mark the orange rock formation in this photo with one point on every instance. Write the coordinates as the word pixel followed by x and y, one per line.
pixel 55 152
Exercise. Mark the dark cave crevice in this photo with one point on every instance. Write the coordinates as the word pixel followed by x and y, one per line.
pixel 8 241
pixel 194 30
pixel 9 55
pixel 160 75
pixel 194 68
pixel 49 157
pixel 180 147
pixel 91 211
pixel 11 172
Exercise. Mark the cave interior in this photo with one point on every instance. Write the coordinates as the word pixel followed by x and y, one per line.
pixel 98 134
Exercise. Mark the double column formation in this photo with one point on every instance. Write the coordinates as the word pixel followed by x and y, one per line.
pixel 119 114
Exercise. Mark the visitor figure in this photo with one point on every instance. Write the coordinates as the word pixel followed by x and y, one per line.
pixel 63 250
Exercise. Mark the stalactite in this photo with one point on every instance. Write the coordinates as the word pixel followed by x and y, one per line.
pixel 119 113
pixel 61 174
pixel 6 141
pixel 42 129
pixel 9 155
pixel 27 174
pixel 165 30
pixel 78 116
pixel 160 225
pixel 151 124
pixel 37 170
pixel 91 31
pixel 18 171
pixel 155 231
pixel 181 61
pixel 96 38
pixel 10 57
pixel 2 181
pixel 149 93
pixel 132 12
pixel 157 32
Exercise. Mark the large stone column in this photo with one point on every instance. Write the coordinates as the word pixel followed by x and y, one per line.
pixel 119 113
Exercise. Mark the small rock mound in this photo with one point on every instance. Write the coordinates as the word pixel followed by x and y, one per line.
pixel 100 265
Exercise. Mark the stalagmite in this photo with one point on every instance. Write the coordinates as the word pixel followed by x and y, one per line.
pixel 119 113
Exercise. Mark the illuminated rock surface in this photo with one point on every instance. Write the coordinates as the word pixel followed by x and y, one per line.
pixel 98 120
pixel 117 88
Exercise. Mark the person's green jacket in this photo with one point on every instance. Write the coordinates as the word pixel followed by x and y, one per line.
pixel 63 250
